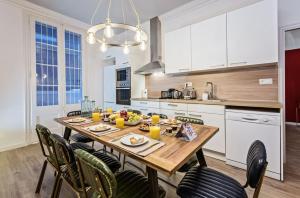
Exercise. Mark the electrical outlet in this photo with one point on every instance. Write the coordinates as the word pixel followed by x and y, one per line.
pixel 188 84
pixel 266 81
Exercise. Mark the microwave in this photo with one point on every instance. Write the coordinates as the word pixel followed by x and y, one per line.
pixel 123 77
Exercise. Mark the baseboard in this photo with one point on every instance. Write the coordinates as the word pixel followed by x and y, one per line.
pixel 214 154
pixel 11 147
pixel 292 123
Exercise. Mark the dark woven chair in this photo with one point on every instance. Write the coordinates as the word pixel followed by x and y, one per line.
pixel 76 137
pixel 43 134
pixel 202 181
pixel 162 116
pixel 69 172
pixel 46 144
pixel 103 183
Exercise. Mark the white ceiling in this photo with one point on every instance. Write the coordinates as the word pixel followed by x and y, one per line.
pixel 83 9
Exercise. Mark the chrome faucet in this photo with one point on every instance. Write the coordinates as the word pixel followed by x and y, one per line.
pixel 210 91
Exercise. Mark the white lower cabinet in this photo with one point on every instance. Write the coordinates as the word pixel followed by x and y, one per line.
pixel 217 142
pixel 146 110
pixel 122 107
pixel 173 113
pixel 212 115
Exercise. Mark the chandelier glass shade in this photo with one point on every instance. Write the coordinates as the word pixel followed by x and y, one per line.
pixel 128 35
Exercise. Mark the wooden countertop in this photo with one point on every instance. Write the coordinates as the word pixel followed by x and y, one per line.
pixel 235 103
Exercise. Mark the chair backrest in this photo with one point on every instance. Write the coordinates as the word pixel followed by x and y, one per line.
pixel 189 119
pixel 162 116
pixel 256 165
pixel 46 144
pixel 74 113
pixel 64 153
pixel 68 131
pixel 96 174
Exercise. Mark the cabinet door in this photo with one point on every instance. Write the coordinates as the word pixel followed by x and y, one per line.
pixel 209 44
pixel 172 113
pixel 109 82
pixel 252 34
pixel 178 50
pixel 217 142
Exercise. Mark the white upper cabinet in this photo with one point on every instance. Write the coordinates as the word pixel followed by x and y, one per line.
pixel 252 34
pixel 178 50
pixel 209 44
pixel 109 82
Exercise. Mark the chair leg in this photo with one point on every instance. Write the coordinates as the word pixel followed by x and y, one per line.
pixel 57 186
pixel 93 143
pixel 39 185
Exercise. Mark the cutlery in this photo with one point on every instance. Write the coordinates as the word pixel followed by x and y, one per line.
pixel 145 149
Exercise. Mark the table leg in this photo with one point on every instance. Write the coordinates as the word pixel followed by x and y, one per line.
pixel 200 157
pixel 153 182
pixel 67 133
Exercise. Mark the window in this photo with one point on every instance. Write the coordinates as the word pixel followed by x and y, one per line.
pixel 73 56
pixel 46 64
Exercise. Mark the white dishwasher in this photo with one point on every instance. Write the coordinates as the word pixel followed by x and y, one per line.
pixel 243 127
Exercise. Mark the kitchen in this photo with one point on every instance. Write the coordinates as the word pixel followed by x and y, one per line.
pixel 216 62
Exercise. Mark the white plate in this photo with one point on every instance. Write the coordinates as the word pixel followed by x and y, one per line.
pixel 99 128
pixel 133 123
pixel 76 120
pixel 166 121
pixel 126 140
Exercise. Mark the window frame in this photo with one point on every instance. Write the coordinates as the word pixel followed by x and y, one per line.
pixel 61 28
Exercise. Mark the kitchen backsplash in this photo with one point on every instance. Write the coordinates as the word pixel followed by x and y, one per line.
pixel 237 84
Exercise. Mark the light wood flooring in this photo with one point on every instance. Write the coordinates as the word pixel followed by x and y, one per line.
pixel 20 168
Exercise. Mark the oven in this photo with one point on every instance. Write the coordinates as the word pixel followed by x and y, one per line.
pixel 123 86
pixel 123 96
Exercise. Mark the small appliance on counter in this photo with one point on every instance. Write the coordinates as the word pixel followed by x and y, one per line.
pixel 171 94
pixel 189 92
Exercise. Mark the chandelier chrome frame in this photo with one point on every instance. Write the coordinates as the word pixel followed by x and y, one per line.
pixel 140 38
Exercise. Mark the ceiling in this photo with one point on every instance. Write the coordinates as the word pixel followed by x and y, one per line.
pixel 84 9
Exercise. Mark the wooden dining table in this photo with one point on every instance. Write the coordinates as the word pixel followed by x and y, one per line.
pixel 167 159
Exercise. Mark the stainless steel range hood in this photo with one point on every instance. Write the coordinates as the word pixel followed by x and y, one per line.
pixel 155 50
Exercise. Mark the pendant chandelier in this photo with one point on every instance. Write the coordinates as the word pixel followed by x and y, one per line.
pixel 129 35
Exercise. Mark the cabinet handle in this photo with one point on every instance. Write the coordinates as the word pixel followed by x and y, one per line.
pixel 126 107
pixel 249 119
pixel 182 114
pixel 195 115
pixel 239 63
pixel 144 109
pixel 172 105
pixel 143 103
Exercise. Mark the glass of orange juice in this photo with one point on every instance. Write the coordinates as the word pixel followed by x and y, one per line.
pixel 96 116
pixel 120 123
pixel 109 110
pixel 155 119
pixel 155 132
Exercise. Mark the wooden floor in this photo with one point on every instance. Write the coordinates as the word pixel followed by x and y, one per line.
pixel 20 168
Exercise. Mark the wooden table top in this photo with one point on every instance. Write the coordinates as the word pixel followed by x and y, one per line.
pixel 167 159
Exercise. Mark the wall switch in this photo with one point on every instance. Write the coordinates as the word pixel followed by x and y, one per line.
pixel 266 81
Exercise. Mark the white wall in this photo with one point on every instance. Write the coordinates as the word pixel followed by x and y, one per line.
pixel 14 55
pixel 12 77
pixel 289 13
